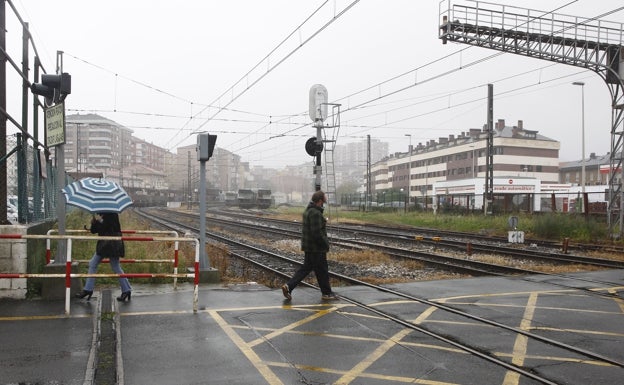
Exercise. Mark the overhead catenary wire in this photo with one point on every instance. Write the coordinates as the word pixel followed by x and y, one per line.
pixel 388 125
pixel 368 102
pixel 274 122
pixel 272 67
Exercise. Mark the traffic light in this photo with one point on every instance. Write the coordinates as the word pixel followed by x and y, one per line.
pixel 53 87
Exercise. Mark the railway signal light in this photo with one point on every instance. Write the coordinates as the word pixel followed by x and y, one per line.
pixel 205 146
pixel 312 147
pixel 53 87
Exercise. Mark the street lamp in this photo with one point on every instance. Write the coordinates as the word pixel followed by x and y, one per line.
pixel 582 84
pixel 409 168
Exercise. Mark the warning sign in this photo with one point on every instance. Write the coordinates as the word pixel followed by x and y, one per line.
pixel 55 125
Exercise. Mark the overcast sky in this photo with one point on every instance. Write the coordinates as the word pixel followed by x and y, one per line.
pixel 165 69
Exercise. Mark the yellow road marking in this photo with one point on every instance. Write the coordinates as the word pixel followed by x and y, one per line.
pixel 361 315
pixel 400 379
pixel 520 346
pixel 304 308
pixel 506 294
pixel 575 310
pixel 579 331
pixel 619 301
pixel 559 359
pixel 518 356
pixel 361 367
pixel 291 326
pixel 43 317
pixel 289 307
pixel 358 369
pixel 160 312
pixel 355 338
pixel 264 369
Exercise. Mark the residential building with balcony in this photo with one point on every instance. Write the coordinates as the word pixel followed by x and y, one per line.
pixel 97 144
pixel 517 152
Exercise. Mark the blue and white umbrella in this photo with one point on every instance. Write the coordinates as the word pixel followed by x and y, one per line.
pixel 97 195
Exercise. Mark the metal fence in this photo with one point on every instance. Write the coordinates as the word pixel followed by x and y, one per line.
pixel 31 183
pixel 569 202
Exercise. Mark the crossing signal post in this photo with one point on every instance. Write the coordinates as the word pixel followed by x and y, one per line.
pixel 205 147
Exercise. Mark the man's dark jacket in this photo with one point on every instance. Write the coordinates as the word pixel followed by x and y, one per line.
pixel 314 231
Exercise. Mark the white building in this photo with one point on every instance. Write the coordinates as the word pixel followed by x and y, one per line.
pixel 516 153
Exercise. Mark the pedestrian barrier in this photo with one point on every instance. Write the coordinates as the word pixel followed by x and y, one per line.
pixel 69 275
pixel 123 260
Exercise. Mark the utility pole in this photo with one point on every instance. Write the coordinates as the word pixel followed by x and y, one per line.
pixel 188 181
pixel 369 177
pixel 489 156
pixel 409 172
pixel 582 84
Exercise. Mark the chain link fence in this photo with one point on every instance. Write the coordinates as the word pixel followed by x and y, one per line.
pixel 31 183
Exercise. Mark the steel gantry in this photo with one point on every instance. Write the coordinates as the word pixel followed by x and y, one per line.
pixel 589 43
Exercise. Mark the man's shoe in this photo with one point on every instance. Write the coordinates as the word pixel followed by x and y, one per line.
pixel 286 291
pixel 329 297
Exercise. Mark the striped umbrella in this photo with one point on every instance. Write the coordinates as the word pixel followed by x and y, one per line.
pixel 97 195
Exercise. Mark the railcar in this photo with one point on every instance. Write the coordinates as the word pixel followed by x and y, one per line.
pixel 246 198
pixel 231 199
pixel 264 198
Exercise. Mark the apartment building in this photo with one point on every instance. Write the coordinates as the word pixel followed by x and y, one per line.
pixel 517 152
pixel 94 144
pixel 596 171
pixel 224 171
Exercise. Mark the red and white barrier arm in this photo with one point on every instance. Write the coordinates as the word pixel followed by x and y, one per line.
pixel 129 260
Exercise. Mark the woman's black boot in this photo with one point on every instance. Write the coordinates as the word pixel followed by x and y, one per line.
pixel 84 293
pixel 124 296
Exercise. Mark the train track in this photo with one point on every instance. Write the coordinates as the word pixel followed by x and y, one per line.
pixel 406 243
pixel 431 252
pixel 429 233
pixel 265 260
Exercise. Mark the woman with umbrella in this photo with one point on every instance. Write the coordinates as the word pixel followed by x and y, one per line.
pixel 106 198
pixel 107 224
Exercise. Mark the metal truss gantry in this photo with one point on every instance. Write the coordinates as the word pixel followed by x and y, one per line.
pixel 588 43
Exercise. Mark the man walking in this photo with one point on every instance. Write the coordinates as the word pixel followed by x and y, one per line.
pixel 315 246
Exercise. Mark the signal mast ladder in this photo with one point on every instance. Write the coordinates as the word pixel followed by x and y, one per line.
pixel 69 275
